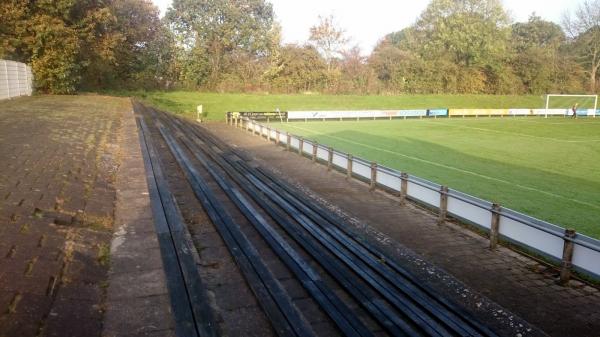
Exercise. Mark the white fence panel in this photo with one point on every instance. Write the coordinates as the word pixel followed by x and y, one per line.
pixel 532 237
pixel 295 142
pixel 361 169
pixel 469 212
pixel 423 194
pixel 520 112
pixel 308 148
pixel 586 259
pixel 323 153
pixel 283 138
pixel 389 180
pixel 340 160
pixel 15 79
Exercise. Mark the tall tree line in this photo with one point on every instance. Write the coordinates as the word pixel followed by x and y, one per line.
pixel 454 46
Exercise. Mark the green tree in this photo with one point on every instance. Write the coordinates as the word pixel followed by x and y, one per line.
pixel 584 30
pixel 298 68
pixel 471 32
pixel 536 46
pixel 221 30
pixel 328 39
pixel 69 42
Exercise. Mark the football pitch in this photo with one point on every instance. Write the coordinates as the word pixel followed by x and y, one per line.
pixel 546 168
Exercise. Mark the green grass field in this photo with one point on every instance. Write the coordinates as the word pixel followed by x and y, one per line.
pixel 547 168
pixel 216 105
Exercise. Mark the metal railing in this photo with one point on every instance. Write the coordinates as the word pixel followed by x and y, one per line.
pixel 573 251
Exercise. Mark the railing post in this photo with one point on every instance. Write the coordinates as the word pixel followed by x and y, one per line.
pixel 288 145
pixel 443 204
pixel 373 175
pixel 301 146
pixel 329 158
pixel 495 227
pixel 278 135
pixel 269 134
pixel 262 131
pixel 314 152
pixel 567 260
pixel 349 168
pixel 403 187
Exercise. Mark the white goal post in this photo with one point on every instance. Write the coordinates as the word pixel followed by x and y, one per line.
pixel 573 99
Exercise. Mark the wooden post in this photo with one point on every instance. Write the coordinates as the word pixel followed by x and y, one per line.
pixel 567 260
pixel 443 204
pixel 349 168
pixel 301 146
pixel 289 141
pixel 403 187
pixel 330 159
pixel 278 135
pixel 495 228
pixel 314 152
pixel 373 176
pixel 269 134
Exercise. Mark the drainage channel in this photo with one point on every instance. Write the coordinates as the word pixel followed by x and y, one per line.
pixel 360 291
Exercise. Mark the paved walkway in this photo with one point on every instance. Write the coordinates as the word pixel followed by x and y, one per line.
pixel 58 161
pixel 70 172
pixel 517 283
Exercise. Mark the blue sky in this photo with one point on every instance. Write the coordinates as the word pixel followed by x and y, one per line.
pixel 365 22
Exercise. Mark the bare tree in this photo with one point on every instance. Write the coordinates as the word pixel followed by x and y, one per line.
pixel 584 30
pixel 329 39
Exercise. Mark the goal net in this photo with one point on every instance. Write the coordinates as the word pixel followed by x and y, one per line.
pixel 563 105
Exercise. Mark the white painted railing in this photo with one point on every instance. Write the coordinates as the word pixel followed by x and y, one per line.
pixel 570 249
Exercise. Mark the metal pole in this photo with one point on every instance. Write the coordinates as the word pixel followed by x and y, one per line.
pixel 330 159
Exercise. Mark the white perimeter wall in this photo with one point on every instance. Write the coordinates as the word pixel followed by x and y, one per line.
pixel 16 79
